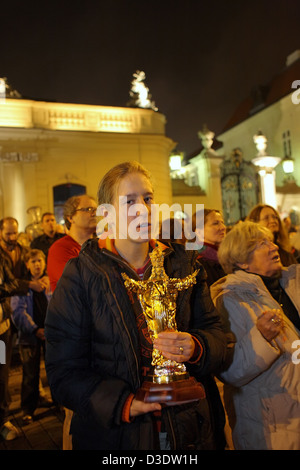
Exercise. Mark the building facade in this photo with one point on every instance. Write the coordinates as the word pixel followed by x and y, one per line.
pixel 49 151
pixel 271 112
pixel 224 173
pixel 196 180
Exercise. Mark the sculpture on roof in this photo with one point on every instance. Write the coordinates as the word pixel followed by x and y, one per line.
pixel 139 93
pixel 206 136
pixel 6 90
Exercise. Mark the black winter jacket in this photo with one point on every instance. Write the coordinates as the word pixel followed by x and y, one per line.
pixel 93 354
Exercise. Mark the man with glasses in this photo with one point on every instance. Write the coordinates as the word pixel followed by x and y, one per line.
pixel 80 221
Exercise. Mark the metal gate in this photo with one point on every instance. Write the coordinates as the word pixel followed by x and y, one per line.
pixel 240 188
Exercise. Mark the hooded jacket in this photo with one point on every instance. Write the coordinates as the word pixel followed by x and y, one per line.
pixel 263 380
pixel 93 353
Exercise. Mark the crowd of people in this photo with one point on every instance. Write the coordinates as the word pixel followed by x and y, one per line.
pixel 29 272
pixel 237 325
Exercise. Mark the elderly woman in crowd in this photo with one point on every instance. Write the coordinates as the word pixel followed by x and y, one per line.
pixel 267 216
pixel 260 303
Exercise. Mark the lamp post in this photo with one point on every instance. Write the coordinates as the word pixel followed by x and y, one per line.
pixel 175 162
pixel 288 168
pixel 266 164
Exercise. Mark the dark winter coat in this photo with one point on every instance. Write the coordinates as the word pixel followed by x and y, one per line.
pixel 93 354
pixel 9 286
pixel 208 257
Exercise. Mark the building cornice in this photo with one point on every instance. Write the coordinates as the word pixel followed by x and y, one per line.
pixel 31 114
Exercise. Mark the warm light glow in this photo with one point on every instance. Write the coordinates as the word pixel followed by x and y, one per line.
pixel 78 117
pixel 175 162
pixel 2 89
pixel 266 164
pixel 288 165
pixel 266 161
pixel 143 93
pixel 261 143
pixel 139 89
pixel 268 189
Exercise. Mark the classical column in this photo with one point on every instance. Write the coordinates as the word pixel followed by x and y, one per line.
pixel 266 164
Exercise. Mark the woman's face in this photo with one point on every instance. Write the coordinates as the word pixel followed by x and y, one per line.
pixel 132 202
pixel 265 259
pixel 214 229
pixel 268 218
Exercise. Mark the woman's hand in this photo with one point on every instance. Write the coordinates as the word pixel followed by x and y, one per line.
pixel 175 345
pixel 270 324
pixel 140 407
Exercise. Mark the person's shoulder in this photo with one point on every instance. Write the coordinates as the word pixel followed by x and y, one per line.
pixel 181 251
pixel 66 240
pixel 59 235
pixel 186 259
pixel 82 263
pixel 291 271
pixel 176 247
pixel 37 239
pixel 65 246
pixel 91 249
pixel 24 250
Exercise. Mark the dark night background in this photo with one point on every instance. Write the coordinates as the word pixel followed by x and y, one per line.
pixel 201 59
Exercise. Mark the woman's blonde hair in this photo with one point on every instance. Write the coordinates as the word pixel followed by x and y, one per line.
pixel 111 180
pixel 239 244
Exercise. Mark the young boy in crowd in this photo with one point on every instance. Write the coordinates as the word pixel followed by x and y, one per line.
pixel 29 312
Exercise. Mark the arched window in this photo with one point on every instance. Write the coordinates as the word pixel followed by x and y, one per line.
pixel 61 193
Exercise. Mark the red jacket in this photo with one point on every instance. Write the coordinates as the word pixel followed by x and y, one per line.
pixel 59 253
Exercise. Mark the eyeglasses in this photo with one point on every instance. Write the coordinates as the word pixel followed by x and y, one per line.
pixel 90 210
pixel 266 242
pixel 269 217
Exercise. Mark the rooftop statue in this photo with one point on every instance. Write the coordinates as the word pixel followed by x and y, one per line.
pixel 6 90
pixel 139 93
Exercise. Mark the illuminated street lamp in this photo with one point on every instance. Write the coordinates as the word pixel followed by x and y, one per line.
pixel 266 164
pixel 177 171
pixel 2 89
pixel 288 165
pixel 175 162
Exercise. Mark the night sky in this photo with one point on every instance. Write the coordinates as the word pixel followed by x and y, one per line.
pixel 201 59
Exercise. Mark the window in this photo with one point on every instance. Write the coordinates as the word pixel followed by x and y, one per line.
pixel 287 148
pixel 61 193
